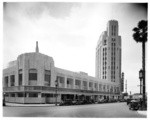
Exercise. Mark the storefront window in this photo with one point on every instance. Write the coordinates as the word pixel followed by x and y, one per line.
pixel 33 94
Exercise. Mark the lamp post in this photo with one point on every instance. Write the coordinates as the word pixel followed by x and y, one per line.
pixel 56 88
pixel 141 85
pixel 140 77
pixel 4 100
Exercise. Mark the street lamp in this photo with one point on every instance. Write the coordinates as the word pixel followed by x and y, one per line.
pixel 140 77
pixel 4 100
pixel 56 88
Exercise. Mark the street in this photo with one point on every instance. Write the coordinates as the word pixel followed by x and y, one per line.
pixel 109 110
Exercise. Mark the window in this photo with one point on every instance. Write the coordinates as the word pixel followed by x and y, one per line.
pixel 12 80
pixel 32 74
pixel 47 95
pixel 47 77
pixel 20 94
pixel 100 87
pixel 90 84
pixel 12 95
pixel 6 81
pixel 112 29
pixel 95 85
pixel 33 94
pixel 105 42
pixel 104 87
pixel 107 87
pixel 77 82
pixel 20 77
pixel 68 82
pixel 115 30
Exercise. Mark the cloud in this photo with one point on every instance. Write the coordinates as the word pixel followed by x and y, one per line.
pixel 36 9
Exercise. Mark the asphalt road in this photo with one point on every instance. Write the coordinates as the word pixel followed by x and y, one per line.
pixel 109 110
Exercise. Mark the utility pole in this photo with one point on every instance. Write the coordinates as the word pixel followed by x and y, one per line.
pixel 56 89
pixel 141 78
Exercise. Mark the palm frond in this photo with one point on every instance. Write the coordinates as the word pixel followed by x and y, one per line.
pixel 140 32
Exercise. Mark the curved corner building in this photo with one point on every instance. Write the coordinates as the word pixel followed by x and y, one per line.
pixel 33 77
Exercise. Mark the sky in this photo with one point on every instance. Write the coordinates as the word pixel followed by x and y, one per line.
pixel 69 32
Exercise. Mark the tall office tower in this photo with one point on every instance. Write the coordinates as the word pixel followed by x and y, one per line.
pixel 108 54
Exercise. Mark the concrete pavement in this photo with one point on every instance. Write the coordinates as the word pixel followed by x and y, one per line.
pixel 110 110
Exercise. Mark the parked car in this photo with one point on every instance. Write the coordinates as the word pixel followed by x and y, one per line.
pixel 128 101
pixel 112 101
pixel 74 102
pixel 134 105
pixel 79 102
pixel 86 102
pixel 66 102
pixel 103 101
pixel 121 100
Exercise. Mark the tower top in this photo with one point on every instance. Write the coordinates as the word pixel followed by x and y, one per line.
pixel 112 28
pixel 37 48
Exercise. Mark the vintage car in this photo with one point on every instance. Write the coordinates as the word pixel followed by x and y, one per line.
pixel 134 105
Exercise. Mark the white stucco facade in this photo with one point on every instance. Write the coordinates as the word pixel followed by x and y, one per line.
pixel 32 79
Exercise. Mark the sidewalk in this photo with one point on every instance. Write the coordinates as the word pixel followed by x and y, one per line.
pixel 29 105
pixel 142 112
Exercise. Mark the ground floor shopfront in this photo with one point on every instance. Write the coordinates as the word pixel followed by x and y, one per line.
pixel 45 95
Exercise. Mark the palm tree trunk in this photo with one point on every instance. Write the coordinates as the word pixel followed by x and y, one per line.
pixel 143 65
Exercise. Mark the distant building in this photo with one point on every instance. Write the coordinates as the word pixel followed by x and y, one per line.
pixel 33 76
pixel 122 82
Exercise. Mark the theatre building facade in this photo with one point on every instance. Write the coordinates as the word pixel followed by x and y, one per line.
pixel 33 78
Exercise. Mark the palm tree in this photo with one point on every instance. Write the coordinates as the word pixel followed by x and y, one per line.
pixel 140 35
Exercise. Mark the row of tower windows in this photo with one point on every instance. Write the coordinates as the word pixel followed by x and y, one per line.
pixel 104 77
pixel 112 67
pixel 104 62
pixel 113 45
pixel 113 30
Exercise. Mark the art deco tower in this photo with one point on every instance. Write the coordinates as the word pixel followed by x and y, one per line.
pixel 108 54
